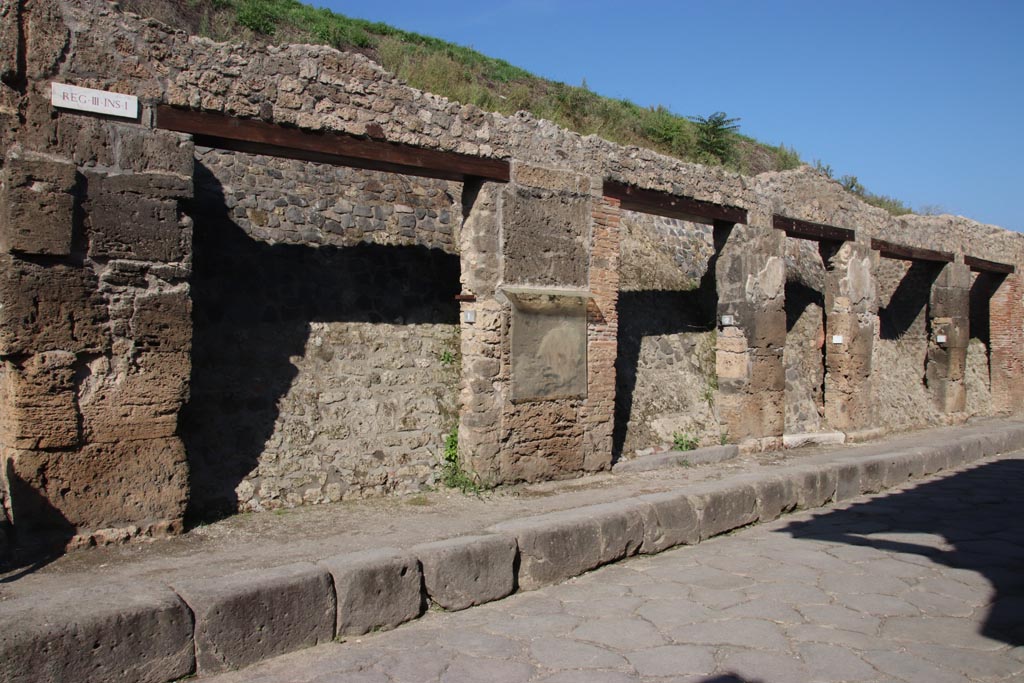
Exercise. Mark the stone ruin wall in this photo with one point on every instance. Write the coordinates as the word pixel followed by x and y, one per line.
pixel 104 235
pixel 326 338
pixel 665 366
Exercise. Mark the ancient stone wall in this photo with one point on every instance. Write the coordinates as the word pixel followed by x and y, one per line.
pixel 325 361
pixel 351 298
pixel 665 368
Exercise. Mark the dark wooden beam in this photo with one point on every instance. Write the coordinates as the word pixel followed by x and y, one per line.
pixel 672 206
pixel 986 266
pixel 794 227
pixel 899 251
pixel 260 137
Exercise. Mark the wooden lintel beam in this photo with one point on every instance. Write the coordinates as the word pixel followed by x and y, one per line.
pixel 260 137
pixel 905 253
pixel 984 265
pixel 672 206
pixel 794 227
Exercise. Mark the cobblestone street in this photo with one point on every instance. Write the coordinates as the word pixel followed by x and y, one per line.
pixel 921 584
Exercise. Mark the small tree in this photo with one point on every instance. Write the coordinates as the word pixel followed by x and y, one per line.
pixel 716 135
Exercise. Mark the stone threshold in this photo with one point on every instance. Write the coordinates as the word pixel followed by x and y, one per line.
pixel 144 631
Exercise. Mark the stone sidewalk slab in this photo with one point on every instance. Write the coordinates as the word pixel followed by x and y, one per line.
pixel 231 618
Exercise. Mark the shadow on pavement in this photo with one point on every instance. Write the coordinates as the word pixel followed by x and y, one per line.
pixel 977 513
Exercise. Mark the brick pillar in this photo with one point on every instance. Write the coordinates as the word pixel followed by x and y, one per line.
pixel 949 326
pixel 1006 320
pixel 750 274
pixel 598 410
pixel 851 310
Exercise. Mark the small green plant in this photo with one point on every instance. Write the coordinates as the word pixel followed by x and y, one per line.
pixel 447 358
pixel 683 441
pixel 723 438
pixel 452 474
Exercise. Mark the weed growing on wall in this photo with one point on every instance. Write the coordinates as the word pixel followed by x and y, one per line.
pixel 684 441
pixel 452 474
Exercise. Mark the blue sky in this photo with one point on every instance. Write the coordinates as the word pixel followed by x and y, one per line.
pixel 921 100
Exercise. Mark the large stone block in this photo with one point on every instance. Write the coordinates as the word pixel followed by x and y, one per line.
pixel 127 225
pixel 147 150
pixel 49 308
pixel 37 207
pixel 118 632
pixel 776 495
pixel 40 402
pixel 126 399
pixel 248 616
pixel 847 480
pixel 100 486
pixel 546 238
pixel 375 589
pixel 560 545
pixel 724 506
pixel 670 519
pixel 468 570
pixel 815 485
pixel 163 320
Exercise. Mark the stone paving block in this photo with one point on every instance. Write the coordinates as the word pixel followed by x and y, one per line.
pixel 125 632
pixel 815 485
pixel 560 545
pixel 872 473
pixel 847 480
pixel 724 506
pixel 670 519
pixel 900 467
pixel 375 589
pixel 468 570
pixel 776 496
pixel 252 615
pixel 937 458
pixel 552 547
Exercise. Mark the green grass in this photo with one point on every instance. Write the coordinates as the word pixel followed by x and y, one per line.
pixel 467 76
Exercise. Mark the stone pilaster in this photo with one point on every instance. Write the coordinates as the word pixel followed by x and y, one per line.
pixel 949 327
pixel 851 309
pixel 482 324
pixel 751 277
pixel 598 410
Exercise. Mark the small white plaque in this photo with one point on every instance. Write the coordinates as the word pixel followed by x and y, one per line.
pixel 940 338
pixel 837 339
pixel 727 320
pixel 96 101
pixel 469 316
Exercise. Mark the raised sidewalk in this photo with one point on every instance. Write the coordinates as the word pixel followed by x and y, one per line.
pixel 255 586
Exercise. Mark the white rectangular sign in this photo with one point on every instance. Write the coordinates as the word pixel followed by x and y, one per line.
pixel 96 101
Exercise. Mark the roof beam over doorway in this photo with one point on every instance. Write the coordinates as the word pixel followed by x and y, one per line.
pixel 340 149
pixel 637 199
pixel 905 253
pixel 986 266
pixel 794 227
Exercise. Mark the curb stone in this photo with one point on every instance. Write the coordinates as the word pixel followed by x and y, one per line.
pixel 375 589
pixel 252 615
pixel 117 632
pixel 468 570
pixel 149 634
